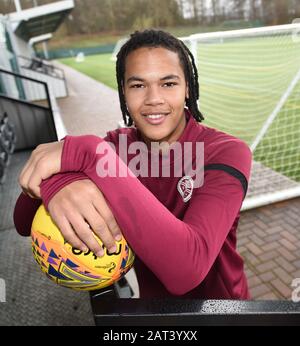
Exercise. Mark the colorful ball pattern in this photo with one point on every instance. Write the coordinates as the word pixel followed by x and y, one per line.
pixel 71 267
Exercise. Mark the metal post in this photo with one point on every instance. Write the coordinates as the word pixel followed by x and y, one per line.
pixel 45 50
pixel 18 5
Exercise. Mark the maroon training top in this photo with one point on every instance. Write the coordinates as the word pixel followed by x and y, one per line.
pixel 183 248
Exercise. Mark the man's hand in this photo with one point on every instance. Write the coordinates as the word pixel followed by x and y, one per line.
pixel 80 210
pixel 44 161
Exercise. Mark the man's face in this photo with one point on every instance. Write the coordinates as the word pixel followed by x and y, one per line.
pixel 155 90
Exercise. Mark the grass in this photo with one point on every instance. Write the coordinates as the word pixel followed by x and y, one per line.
pixel 81 41
pixel 98 67
pixel 241 82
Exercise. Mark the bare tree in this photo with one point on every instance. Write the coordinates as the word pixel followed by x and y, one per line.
pixel 239 9
pixel 91 16
pixel 254 9
pixel 202 11
pixel 280 12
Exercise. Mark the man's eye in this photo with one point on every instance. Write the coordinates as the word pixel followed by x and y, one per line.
pixel 169 84
pixel 136 86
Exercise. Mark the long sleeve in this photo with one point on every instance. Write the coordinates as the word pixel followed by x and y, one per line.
pixel 26 206
pixel 179 252
pixel 24 212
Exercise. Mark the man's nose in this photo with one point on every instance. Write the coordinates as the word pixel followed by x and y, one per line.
pixel 154 96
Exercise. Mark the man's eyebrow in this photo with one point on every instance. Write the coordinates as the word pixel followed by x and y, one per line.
pixel 134 79
pixel 139 79
pixel 170 76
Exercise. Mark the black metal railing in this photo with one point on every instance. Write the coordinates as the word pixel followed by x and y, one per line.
pixel 28 104
pixel 114 307
pixel 42 66
pixel 23 88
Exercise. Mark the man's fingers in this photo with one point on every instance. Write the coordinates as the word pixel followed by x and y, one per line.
pixel 86 235
pixel 44 161
pixel 69 235
pixel 100 228
pixel 26 174
pixel 30 191
pixel 36 178
pixel 31 186
pixel 31 162
pixel 113 226
pixel 85 220
pixel 28 163
pixel 109 218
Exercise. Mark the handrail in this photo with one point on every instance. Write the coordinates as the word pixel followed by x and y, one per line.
pixel 46 90
pixel 43 60
pixel 113 306
pixel 109 311
pixel 24 102
pixel 23 77
pixel 58 72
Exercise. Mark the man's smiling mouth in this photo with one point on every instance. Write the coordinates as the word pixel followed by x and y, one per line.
pixel 155 118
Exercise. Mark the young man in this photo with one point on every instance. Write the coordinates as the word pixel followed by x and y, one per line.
pixel 182 229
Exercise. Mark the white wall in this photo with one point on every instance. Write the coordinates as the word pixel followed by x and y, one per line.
pixel 36 93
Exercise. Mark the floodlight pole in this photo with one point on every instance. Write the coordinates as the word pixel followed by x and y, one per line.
pixel 18 5
pixel 45 50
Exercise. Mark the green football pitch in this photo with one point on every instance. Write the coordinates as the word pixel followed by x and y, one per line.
pixel 242 83
pixel 99 67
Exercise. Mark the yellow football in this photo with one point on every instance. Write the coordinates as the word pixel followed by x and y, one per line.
pixel 71 267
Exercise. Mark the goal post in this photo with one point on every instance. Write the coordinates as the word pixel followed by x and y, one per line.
pixel 250 87
pixel 117 48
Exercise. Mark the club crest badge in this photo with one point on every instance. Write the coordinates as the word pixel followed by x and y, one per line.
pixel 185 187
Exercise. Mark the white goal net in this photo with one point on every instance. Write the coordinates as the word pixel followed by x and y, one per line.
pixel 250 88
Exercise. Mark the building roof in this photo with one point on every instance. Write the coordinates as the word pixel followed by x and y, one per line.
pixel 40 20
